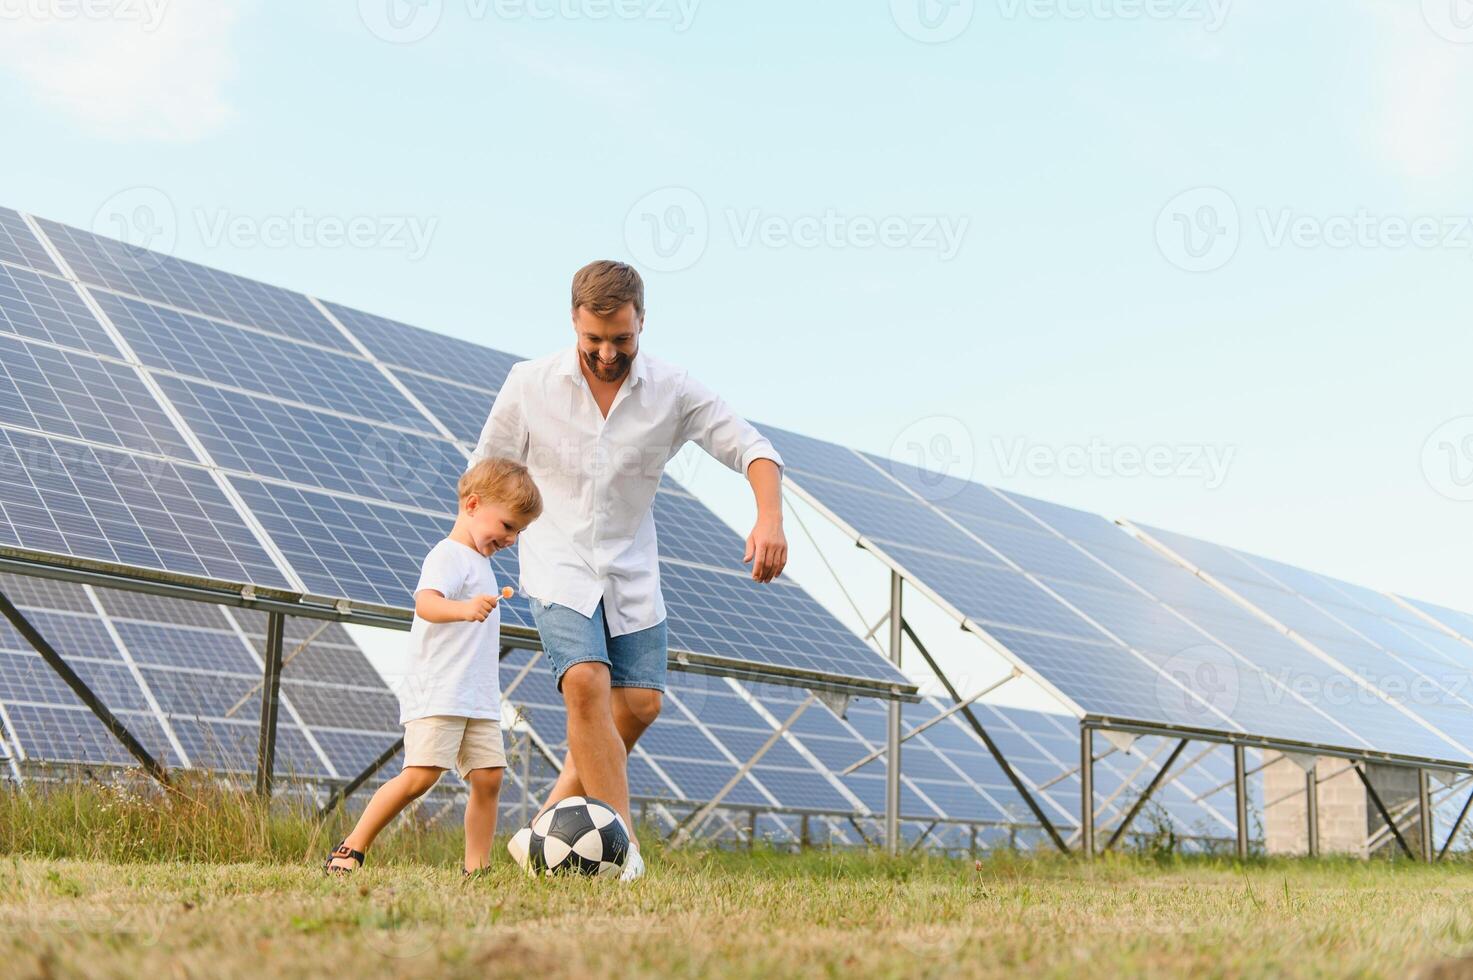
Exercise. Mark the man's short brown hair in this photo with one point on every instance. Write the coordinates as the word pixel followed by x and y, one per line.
pixel 605 286
pixel 503 481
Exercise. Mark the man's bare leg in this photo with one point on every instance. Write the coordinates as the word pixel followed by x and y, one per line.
pixel 634 709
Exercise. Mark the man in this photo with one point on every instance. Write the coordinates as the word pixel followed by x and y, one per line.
pixel 596 425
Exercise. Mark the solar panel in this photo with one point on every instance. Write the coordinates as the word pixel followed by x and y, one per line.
pixel 403 346
pixel 195 347
pixel 1054 587
pixel 1445 720
pixel 40 307
pixel 149 275
pixel 82 397
pixel 83 501
pixel 462 408
pixel 19 246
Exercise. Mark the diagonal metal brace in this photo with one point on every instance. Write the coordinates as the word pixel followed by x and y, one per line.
pixel 981 732
pixel 692 824
pixel 1457 826
pixel 1146 794
pixel 352 786
pixel 79 687
pixel 1381 809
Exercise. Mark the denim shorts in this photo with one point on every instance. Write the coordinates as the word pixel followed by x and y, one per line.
pixel 569 637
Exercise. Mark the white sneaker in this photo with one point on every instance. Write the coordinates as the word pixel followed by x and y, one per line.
pixel 633 866
pixel 519 847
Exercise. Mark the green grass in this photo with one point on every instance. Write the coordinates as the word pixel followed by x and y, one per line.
pixel 124 892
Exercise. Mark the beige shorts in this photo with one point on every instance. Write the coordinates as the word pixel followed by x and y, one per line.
pixel 452 742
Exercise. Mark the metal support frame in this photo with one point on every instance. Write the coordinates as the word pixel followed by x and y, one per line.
pixel 1424 815
pixel 1240 799
pixel 981 732
pixel 1135 808
pixel 1452 834
pixel 892 726
pixel 56 662
pixel 692 825
pixel 284 661
pixel 1385 813
pixel 270 703
pixel 1087 792
pixel 1312 812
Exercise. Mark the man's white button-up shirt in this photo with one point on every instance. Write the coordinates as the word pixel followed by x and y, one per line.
pixel 595 539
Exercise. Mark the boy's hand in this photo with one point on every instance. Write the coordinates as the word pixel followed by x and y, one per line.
pixel 477 608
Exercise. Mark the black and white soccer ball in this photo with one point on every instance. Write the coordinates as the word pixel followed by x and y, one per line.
pixel 580 836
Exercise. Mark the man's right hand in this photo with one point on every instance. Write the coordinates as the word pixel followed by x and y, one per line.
pixel 477 608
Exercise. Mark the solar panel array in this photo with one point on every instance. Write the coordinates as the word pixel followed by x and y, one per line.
pixel 1118 631
pixel 185 678
pixel 163 417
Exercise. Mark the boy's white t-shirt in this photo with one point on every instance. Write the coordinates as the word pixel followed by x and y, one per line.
pixel 454 668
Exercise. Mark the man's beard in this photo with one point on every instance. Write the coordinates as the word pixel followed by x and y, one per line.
pixel 608 372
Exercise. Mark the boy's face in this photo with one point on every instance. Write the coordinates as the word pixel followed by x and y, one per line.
pixel 491 526
pixel 607 344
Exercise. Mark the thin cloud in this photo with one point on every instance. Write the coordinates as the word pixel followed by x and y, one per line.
pixel 152 70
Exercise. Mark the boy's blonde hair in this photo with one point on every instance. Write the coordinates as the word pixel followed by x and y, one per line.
pixel 504 481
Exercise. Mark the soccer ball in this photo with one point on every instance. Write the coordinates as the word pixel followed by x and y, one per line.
pixel 580 836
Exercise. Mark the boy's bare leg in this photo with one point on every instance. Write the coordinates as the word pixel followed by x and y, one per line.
pixel 480 816
pixel 387 803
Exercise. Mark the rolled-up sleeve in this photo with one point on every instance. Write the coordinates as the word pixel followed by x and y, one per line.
pixel 711 424
pixel 505 431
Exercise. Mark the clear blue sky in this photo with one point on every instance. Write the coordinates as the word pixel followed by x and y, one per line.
pixel 885 238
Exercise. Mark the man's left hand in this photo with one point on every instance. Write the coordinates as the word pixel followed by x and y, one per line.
pixel 767 550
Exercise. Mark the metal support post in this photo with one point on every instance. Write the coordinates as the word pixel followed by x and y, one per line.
pixel 1086 792
pixel 1240 799
pixel 352 786
pixel 892 729
pixel 270 702
pixel 1312 811
pixel 1424 815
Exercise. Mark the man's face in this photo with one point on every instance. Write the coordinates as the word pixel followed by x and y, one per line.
pixel 607 344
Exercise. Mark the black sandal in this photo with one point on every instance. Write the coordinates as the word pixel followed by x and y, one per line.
pixel 343 851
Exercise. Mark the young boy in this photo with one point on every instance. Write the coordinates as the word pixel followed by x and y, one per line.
pixel 450 700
